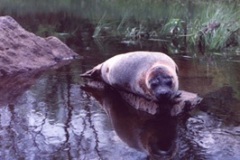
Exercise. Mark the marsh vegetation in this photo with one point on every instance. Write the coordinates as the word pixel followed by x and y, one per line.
pixel 181 26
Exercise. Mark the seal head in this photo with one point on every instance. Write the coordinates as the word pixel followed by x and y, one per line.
pixel 162 82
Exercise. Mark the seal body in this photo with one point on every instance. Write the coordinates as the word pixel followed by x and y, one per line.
pixel 152 75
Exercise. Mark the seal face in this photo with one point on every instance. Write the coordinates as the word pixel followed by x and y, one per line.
pixel 162 83
pixel 152 75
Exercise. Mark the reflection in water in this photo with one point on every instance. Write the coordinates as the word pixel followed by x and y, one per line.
pixel 56 120
pixel 154 135
pixel 51 117
pixel 11 87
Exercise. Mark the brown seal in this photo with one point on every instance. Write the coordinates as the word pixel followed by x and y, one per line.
pixel 152 75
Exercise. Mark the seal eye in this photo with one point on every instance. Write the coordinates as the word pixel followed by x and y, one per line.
pixel 169 82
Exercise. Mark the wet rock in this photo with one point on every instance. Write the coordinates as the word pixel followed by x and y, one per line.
pixel 22 51
pixel 185 102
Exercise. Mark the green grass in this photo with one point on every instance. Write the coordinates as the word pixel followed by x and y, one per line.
pixel 226 34
pixel 140 19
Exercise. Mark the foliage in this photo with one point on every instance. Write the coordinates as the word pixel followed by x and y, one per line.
pixel 206 25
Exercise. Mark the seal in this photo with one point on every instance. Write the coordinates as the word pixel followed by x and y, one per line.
pixel 152 75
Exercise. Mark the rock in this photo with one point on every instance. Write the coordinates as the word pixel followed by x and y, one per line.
pixel 186 102
pixel 22 51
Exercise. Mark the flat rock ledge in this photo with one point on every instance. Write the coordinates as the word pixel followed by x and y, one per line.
pixel 186 102
pixel 22 51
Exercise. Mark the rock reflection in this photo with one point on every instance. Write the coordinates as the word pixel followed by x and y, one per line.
pixel 153 134
pixel 13 86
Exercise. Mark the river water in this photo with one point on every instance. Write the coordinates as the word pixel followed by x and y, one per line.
pixel 47 115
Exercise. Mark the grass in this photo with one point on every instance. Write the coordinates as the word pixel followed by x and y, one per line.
pixel 225 35
pixel 166 20
pixel 135 20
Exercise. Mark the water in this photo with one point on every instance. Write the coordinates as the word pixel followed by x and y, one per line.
pixel 48 115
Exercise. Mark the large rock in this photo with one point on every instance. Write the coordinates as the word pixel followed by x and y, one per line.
pixel 22 51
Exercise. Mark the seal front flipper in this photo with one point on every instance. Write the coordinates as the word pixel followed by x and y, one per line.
pixel 94 73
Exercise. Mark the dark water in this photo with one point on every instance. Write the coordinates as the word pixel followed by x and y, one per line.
pixel 47 115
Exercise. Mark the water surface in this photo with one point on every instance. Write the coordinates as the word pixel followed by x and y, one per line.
pixel 48 116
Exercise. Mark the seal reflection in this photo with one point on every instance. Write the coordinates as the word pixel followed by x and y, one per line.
pixel 153 134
